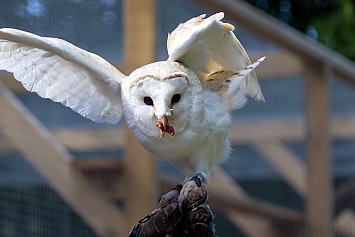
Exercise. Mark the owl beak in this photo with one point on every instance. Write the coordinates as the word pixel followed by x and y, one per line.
pixel 166 118
pixel 164 121
pixel 164 126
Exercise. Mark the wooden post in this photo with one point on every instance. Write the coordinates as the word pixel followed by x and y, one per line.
pixel 139 33
pixel 319 194
pixel 139 40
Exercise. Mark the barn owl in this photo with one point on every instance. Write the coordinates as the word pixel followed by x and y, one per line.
pixel 178 109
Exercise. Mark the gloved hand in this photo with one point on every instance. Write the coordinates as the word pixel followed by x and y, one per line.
pixel 194 219
pixel 196 216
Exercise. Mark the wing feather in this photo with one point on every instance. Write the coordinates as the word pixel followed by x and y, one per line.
pixel 210 48
pixel 64 73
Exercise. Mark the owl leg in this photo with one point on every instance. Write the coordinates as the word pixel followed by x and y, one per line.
pixel 193 184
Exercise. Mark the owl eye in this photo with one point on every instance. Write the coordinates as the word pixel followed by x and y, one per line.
pixel 175 99
pixel 148 100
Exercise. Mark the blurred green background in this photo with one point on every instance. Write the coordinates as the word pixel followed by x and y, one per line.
pixel 331 22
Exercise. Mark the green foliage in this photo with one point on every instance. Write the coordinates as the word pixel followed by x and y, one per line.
pixel 331 22
pixel 337 31
pixel 297 13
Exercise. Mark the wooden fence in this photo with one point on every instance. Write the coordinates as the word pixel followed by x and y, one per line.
pixel 136 181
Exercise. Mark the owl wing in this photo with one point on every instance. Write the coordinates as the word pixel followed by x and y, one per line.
pixel 210 48
pixel 62 72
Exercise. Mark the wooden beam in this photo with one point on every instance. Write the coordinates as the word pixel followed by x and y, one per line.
pixel 342 128
pixel 240 132
pixel 52 161
pixel 255 207
pixel 291 167
pixel 286 130
pixel 273 30
pixel 139 49
pixel 5 145
pixel 10 82
pixel 278 64
pixel 98 163
pixel 85 139
pixel 251 225
pixel 319 201
pixel 249 132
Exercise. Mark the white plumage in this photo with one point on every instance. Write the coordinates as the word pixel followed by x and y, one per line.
pixel 189 97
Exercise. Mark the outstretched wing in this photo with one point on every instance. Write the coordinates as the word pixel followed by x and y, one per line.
pixel 210 48
pixel 64 73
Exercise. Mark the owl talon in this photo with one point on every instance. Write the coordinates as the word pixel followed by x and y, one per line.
pixel 191 192
pixel 198 178
pixel 191 196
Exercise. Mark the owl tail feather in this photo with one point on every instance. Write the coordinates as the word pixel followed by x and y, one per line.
pixel 236 95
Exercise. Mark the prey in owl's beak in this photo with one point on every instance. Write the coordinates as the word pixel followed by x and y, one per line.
pixel 163 125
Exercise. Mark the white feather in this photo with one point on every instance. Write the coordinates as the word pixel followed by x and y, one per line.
pixel 209 47
pixel 58 70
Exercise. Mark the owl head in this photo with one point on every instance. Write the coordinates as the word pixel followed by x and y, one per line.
pixel 162 96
